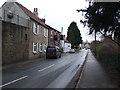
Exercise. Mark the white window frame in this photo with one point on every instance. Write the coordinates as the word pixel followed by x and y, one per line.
pixel 45 32
pixel 45 46
pixel 33 48
pixel 36 28
pixel 40 47
pixel 41 29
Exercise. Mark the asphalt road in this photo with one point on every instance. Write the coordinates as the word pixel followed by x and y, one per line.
pixel 50 73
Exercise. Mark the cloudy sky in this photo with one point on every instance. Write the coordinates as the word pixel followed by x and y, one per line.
pixel 58 13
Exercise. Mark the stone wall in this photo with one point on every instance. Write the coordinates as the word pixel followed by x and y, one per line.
pixel 0 52
pixel 37 39
pixel 0 43
pixel 15 43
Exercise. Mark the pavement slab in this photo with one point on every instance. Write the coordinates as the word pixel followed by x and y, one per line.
pixel 94 75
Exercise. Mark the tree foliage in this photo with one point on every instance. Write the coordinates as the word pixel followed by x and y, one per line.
pixel 103 17
pixel 74 35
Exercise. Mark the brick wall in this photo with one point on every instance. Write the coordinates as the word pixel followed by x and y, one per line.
pixel 15 43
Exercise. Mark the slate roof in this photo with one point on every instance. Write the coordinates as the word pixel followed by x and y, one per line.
pixel 52 28
pixel 31 15
pixel 34 17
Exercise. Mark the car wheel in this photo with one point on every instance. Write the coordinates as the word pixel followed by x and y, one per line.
pixel 60 56
pixel 47 57
pixel 56 57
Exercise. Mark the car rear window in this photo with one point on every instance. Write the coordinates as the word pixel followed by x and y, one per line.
pixel 51 49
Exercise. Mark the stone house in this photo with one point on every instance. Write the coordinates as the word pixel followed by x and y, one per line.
pixel 53 36
pixel 17 20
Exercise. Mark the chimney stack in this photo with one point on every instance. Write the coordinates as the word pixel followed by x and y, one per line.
pixel 61 30
pixel 36 11
pixel 43 20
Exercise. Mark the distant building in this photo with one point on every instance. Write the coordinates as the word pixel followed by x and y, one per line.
pixel 67 46
pixel 53 36
pixel 64 44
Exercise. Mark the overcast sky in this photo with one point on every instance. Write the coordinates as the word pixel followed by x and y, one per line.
pixel 58 13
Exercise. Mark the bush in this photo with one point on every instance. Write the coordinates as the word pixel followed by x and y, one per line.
pixel 108 54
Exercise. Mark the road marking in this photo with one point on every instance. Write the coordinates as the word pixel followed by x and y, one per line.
pixel 46 68
pixel 61 62
pixel 13 81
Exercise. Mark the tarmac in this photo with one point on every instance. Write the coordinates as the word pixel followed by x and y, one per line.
pixel 92 75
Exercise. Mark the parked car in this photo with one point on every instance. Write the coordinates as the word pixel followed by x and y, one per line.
pixel 53 52
pixel 72 51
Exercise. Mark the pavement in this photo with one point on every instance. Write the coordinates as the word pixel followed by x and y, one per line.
pixel 93 75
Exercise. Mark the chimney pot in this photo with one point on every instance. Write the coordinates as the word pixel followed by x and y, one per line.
pixel 43 20
pixel 36 11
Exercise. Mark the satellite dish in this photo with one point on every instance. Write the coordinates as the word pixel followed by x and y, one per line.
pixel 10 14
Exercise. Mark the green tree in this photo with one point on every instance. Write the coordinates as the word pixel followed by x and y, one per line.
pixel 103 17
pixel 74 35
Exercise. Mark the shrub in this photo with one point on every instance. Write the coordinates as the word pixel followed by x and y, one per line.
pixel 108 54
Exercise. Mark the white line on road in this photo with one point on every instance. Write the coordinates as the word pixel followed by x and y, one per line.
pixel 61 62
pixel 46 68
pixel 13 81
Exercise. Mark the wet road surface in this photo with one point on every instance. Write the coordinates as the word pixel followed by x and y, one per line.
pixel 50 73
